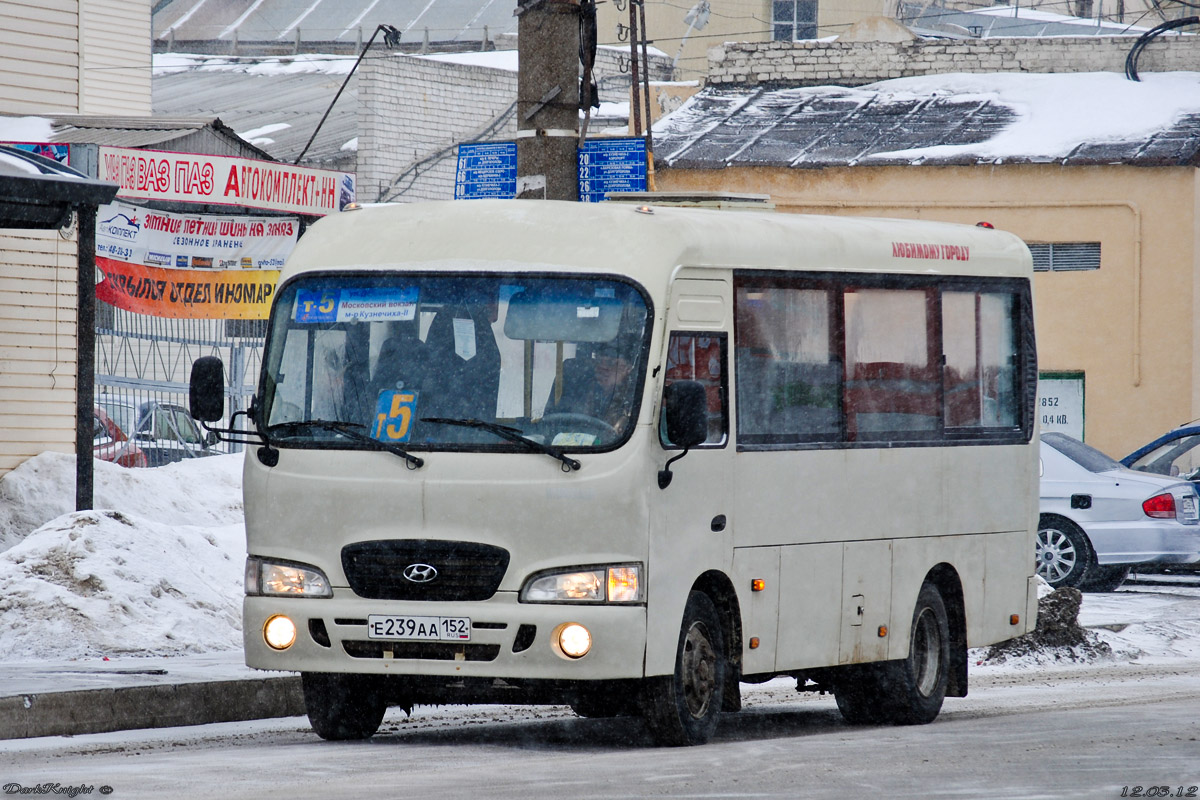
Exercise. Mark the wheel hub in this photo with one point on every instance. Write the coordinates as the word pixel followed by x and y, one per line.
pixel 699 670
pixel 1056 556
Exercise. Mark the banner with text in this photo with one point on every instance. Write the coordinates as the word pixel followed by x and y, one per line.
pixel 226 180
pixel 161 239
pixel 186 293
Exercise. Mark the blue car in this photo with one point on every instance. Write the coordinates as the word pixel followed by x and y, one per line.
pixel 1175 454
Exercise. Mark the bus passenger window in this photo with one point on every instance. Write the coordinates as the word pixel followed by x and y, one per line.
pixel 981 349
pixel 701 358
pixel 788 377
pixel 891 367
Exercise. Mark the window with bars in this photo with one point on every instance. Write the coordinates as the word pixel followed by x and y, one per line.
pixel 1065 256
pixel 792 20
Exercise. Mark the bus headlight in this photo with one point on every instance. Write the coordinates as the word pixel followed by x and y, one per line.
pixel 282 579
pixel 617 583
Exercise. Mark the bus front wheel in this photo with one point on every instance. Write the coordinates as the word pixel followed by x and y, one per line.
pixel 342 707
pixel 682 708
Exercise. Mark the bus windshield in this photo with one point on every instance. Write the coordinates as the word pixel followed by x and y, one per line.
pixel 435 361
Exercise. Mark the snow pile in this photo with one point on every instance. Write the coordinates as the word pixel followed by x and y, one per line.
pixel 202 491
pixel 1057 637
pixel 161 577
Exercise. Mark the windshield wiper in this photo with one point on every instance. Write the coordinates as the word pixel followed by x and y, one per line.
pixel 512 435
pixel 349 430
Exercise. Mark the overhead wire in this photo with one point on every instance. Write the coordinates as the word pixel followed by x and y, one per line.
pixel 1135 52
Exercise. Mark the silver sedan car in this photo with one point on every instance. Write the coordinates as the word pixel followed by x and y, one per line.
pixel 1099 518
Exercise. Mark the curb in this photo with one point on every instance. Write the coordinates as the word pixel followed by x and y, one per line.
pixel 156 706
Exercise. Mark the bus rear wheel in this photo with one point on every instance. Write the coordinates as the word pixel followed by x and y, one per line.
pixel 918 683
pixel 909 691
pixel 342 707
pixel 683 708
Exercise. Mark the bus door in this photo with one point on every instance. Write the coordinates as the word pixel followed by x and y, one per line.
pixel 691 519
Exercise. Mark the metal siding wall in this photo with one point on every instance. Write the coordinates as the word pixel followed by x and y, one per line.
pixel 39 56
pixel 115 57
pixel 37 345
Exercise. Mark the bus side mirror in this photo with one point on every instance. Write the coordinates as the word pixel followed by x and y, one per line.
pixel 685 406
pixel 206 391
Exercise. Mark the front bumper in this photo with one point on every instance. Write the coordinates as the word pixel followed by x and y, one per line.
pixel 509 640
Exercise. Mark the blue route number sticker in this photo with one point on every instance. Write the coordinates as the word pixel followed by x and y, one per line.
pixel 393 415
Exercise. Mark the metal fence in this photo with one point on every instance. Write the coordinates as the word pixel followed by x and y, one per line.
pixel 143 364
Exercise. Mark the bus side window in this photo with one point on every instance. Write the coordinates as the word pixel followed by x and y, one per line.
pixel 788 375
pixel 980 345
pixel 701 358
pixel 892 369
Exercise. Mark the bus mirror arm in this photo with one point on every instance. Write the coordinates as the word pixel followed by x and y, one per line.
pixel 664 474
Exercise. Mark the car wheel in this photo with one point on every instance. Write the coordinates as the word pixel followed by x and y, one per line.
pixel 1063 552
pixel 342 707
pixel 1105 579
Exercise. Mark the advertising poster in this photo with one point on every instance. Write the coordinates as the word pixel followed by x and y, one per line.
pixel 138 235
pixel 226 180
pixel 186 293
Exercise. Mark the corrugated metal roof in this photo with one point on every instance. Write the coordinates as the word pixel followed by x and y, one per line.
pixel 274 110
pixel 153 132
pixel 872 126
pixel 1006 20
pixel 330 20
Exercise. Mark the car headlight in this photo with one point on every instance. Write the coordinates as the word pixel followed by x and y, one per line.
pixel 616 583
pixel 283 579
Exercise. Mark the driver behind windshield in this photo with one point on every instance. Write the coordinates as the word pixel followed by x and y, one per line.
pixel 597 384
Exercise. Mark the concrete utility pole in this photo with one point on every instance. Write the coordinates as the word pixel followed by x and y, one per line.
pixel 548 99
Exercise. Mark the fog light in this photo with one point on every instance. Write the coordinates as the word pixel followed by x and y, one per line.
pixel 280 632
pixel 574 641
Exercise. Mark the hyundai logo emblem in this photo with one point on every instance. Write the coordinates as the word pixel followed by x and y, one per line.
pixel 420 573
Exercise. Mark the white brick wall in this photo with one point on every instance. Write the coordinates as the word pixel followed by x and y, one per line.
pixel 855 64
pixel 413 112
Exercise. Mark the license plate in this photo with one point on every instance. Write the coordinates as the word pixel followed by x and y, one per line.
pixel 1189 506
pixel 438 629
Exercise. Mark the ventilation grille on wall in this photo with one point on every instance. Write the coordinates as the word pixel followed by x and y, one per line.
pixel 1065 256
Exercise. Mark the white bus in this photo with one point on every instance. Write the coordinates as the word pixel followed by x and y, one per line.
pixel 626 457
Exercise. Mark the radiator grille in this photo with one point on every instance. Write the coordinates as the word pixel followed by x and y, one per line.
pixel 464 570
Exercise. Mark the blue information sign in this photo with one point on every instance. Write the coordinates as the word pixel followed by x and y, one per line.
pixel 486 169
pixel 611 165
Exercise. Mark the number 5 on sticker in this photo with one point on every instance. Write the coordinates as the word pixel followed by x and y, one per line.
pixel 393 416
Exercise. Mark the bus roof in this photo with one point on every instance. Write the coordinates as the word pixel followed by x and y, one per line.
pixel 647 243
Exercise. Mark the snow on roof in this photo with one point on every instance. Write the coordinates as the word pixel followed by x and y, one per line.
pixel 25 129
pixel 1080 118
pixel 301 63
pixel 493 59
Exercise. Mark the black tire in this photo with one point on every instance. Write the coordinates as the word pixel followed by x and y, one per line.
pixel 909 691
pixel 859 694
pixel 604 702
pixel 683 708
pixel 1063 552
pixel 916 686
pixel 1105 579
pixel 342 707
